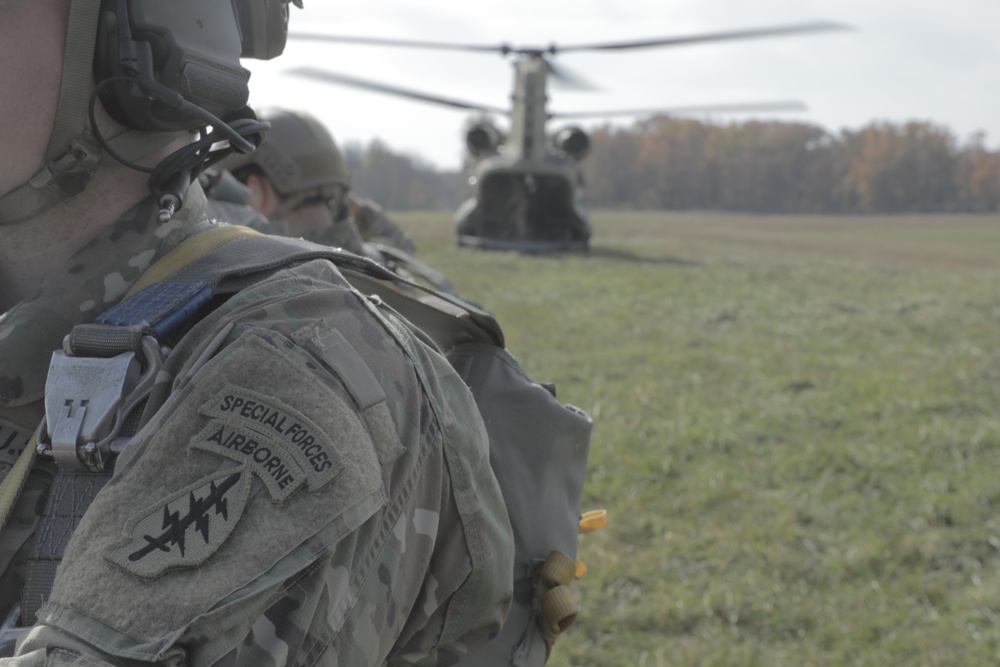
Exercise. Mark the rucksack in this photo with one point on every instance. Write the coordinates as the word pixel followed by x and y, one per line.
pixel 538 452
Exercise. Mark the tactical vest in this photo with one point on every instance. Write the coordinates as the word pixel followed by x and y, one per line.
pixel 538 447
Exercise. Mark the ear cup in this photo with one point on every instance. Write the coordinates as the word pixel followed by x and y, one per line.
pixel 263 27
pixel 161 65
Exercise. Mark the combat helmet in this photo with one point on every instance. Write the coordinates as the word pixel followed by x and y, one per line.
pixel 300 159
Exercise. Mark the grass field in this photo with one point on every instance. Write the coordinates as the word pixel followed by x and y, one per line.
pixel 797 431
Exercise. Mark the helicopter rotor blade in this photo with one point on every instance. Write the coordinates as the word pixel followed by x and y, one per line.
pixel 405 43
pixel 747 107
pixel 567 78
pixel 773 31
pixel 324 76
pixel 553 49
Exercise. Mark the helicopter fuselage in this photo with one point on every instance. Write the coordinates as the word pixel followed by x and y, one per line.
pixel 527 204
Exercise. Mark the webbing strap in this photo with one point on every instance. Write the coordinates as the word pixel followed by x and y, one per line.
pixel 192 272
pixel 12 484
pixel 74 92
pixel 447 319
pixel 232 251
pixel 70 495
pixel 69 158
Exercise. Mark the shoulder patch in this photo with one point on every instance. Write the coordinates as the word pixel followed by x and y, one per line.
pixel 269 459
pixel 186 528
pixel 248 412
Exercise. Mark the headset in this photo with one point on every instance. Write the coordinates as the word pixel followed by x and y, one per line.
pixel 154 58
pixel 174 66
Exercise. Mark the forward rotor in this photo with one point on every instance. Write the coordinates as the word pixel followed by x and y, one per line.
pixel 554 49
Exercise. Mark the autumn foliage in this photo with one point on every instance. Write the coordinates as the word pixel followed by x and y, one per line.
pixel 771 167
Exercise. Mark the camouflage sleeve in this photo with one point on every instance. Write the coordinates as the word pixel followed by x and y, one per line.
pixel 318 493
pixel 376 227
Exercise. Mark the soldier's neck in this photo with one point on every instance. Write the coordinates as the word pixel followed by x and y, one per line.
pixel 30 251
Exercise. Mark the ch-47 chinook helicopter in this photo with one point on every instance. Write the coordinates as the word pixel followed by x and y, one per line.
pixel 528 186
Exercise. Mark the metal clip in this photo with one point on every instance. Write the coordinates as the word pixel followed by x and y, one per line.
pixel 87 400
pixel 71 171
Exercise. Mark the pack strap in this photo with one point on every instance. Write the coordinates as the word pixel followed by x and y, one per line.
pixel 223 257
pixel 10 488
pixel 189 251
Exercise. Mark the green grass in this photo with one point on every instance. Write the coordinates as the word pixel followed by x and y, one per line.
pixel 797 431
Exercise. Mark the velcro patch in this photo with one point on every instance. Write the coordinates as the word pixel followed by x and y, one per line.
pixel 312 448
pixel 186 528
pixel 272 461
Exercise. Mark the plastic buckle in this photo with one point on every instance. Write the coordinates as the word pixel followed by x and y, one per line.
pixel 87 400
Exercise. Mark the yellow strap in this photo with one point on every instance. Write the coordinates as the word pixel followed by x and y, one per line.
pixel 12 484
pixel 188 251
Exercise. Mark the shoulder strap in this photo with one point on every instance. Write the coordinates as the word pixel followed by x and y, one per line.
pixel 189 251
pixel 228 253
pixel 10 487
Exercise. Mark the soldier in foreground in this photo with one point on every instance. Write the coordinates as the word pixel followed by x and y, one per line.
pixel 297 477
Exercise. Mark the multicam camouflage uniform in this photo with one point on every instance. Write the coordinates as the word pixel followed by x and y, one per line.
pixel 379 535
pixel 376 227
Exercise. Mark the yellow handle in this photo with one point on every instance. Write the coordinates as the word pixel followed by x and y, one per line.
pixel 559 610
pixel 593 520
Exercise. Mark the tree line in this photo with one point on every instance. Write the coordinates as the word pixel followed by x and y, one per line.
pixel 759 167
pixel 772 167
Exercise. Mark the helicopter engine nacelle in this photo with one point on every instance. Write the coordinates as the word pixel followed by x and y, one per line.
pixel 573 141
pixel 482 139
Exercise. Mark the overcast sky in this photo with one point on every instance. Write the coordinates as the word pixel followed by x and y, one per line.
pixel 936 60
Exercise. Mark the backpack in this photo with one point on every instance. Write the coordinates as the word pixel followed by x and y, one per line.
pixel 538 452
